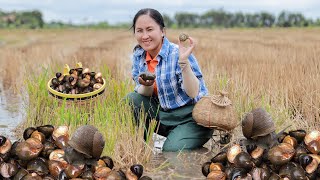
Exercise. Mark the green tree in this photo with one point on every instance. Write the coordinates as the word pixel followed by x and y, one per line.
pixel 266 19
pixel 283 19
pixel 216 18
pixel 252 20
pixel 185 19
pixel 168 22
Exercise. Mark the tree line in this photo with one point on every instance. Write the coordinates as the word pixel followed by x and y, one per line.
pixel 25 19
pixel 210 19
pixel 221 18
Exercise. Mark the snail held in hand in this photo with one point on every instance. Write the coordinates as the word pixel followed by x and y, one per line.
pixel 147 75
pixel 183 37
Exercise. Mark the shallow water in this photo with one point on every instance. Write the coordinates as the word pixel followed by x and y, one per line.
pixel 179 165
pixel 10 113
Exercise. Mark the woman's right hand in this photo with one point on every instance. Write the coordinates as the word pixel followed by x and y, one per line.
pixel 146 82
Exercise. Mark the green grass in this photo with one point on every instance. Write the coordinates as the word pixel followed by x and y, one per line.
pixel 108 112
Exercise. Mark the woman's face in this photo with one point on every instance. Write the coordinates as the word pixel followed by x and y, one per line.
pixel 148 34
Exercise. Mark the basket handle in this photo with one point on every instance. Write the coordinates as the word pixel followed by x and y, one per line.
pixel 221 100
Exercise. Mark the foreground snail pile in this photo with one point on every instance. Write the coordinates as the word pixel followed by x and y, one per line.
pixel 263 154
pixel 77 80
pixel 47 153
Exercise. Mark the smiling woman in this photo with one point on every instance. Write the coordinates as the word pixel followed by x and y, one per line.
pixel 178 84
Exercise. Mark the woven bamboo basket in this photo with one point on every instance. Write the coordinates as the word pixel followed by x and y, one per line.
pixel 76 99
pixel 215 112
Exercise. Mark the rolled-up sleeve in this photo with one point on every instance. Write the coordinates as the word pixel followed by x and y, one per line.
pixel 196 70
pixel 195 66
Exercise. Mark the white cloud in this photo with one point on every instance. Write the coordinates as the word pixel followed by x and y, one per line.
pixel 115 11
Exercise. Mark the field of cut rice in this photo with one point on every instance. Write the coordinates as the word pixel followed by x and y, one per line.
pixel 277 69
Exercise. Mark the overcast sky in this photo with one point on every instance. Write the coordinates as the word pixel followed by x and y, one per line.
pixel 115 11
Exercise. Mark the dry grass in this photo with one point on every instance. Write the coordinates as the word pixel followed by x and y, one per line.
pixel 274 68
pixel 277 69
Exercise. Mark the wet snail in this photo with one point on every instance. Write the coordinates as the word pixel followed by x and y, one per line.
pixel 312 141
pixel 281 153
pixel 45 153
pixel 147 75
pixel 5 145
pixel 77 80
pixel 263 154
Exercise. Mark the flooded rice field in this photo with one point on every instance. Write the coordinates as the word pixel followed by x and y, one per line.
pixel 163 165
pixel 280 72
pixel 10 113
pixel 183 165
pixel 32 51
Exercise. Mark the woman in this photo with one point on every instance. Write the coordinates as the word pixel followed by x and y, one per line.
pixel 178 84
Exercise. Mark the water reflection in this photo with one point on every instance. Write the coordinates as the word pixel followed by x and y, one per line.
pixel 179 165
pixel 10 112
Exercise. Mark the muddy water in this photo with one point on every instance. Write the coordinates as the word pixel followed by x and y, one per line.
pixel 10 113
pixel 179 165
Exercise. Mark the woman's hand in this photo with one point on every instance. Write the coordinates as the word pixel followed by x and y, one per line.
pixel 185 52
pixel 146 82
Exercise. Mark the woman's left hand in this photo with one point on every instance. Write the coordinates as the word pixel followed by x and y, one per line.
pixel 185 52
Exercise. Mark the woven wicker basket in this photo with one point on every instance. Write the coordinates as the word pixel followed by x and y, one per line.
pixel 84 100
pixel 215 111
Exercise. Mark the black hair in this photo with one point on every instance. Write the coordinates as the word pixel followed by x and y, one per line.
pixel 154 14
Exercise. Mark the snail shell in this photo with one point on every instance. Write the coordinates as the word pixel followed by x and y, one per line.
pixel 281 154
pixel 102 173
pixel 137 169
pixel 98 75
pixel 257 123
pixel 183 37
pixel 97 86
pixel 8 170
pixel 232 152
pixel 147 75
pixel 260 173
pixel 108 160
pixel 46 130
pixel 59 131
pixel 217 175
pixel 27 132
pixel 5 145
pixel 88 140
pixel 206 168
pixel 312 141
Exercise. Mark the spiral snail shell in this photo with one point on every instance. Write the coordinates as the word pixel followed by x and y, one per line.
pixel 257 123
pixel 88 140
pixel 183 37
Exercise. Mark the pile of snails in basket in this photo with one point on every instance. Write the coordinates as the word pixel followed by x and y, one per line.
pixel 47 153
pixel 76 80
pixel 263 154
